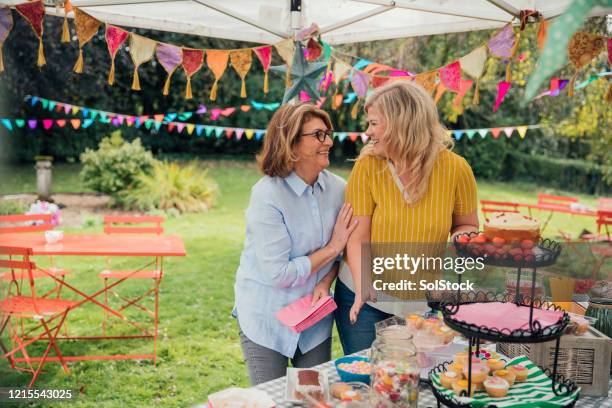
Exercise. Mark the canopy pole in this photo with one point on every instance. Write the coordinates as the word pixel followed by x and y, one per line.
pixel 296 16
pixel 507 7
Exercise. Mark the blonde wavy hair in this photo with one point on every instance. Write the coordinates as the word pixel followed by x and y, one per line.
pixel 414 135
pixel 277 156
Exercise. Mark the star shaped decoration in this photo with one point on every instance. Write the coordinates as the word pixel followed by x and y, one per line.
pixel 304 75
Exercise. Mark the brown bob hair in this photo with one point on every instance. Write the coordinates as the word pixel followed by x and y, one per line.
pixel 277 155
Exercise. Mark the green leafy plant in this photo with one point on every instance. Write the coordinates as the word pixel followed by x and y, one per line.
pixel 116 165
pixel 8 207
pixel 170 186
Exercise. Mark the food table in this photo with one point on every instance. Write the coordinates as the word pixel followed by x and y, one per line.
pixel 276 390
pixel 152 247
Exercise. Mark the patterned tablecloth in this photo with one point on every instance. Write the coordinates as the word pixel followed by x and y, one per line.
pixel 276 390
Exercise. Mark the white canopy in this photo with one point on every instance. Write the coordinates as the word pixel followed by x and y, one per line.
pixel 340 21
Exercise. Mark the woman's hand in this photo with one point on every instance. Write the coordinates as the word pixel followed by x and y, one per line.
pixel 343 229
pixel 320 290
pixel 354 313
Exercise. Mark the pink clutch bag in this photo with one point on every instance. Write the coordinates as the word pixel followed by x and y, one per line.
pixel 300 315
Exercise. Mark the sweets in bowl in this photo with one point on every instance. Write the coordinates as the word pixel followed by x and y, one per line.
pixel 354 368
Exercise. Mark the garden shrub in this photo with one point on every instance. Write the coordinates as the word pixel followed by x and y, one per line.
pixel 170 186
pixel 116 165
pixel 564 174
pixel 9 207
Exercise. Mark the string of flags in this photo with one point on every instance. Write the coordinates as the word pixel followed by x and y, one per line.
pixel 199 129
pixel 305 64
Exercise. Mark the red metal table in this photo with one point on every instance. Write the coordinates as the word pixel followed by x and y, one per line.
pixel 125 245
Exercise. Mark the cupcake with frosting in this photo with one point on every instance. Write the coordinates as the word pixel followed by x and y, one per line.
pixel 479 372
pixel 506 375
pixel 449 377
pixel 520 371
pixel 495 364
pixel 462 385
pixel 496 387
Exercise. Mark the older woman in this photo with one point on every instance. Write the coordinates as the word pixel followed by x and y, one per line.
pixel 297 225
pixel 406 187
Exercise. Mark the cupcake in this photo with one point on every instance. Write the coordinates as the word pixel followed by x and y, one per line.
pixel 337 389
pixel 461 357
pixel 456 367
pixel 444 333
pixel 448 378
pixel 414 320
pixel 520 372
pixel 506 375
pixel 495 364
pixel 479 373
pixel 462 385
pixel 496 387
pixel 431 324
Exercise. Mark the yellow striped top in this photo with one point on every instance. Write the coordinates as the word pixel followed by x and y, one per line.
pixel 374 189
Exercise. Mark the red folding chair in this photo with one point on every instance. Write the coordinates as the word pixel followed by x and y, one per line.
pixel 24 223
pixel 49 315
pixel 489 206
pixel 134 225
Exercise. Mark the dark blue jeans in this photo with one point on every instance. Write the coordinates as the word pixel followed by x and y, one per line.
pixel 358 336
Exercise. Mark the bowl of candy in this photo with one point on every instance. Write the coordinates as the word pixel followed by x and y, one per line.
pixel 354 369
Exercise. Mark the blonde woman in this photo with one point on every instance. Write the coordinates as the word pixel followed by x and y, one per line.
pixel 296 226
pixel 406 187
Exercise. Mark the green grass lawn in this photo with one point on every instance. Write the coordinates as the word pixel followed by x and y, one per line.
pixel 199 349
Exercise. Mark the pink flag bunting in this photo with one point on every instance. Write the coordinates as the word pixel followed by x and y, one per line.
pixel 180 127
pixel 495 132
pixel 450 76
pixel 508 131
pixel 60 122
pixel 464 87
pixel 67 109
pixel 502 90
pixel 364 138
pixel 229 132
pixel 239 133
pixel 47 123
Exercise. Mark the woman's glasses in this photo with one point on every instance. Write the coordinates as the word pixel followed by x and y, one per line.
pixel 321 134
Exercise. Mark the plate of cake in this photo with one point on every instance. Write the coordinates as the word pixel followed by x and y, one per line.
pixel 306 381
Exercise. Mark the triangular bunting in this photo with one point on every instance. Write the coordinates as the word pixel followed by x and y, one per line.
pixel 241 61
pixel 34 13
pixel 217 62
pixel 193 59
pixel 264 54
pixel 115 37
pixel 86 28
pixel 142 50
pixel 169 57
pixel 522 131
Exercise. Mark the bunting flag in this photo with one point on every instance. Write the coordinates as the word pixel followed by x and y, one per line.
pixel 228 132
pixel 34 13
pixel 557 39
pixel 450 76
pixel 339 71
pixel 65 27
pixel 142 51
pixel 193 59
pixel 582 49
pixel 169 57
pixel 217 62
pixel 360 82
pixel 115 37
pixel 6 25
pixel 86 27
pixel 241 61
pixel 286 49
pixel 427 80
pixel 464 87
pixel 502 90
pixel 474 65
pixel 439 92
pixel 264 54
pixel 501 44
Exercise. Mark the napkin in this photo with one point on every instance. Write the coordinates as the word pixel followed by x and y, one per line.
pixel 300 315
pixel 240 397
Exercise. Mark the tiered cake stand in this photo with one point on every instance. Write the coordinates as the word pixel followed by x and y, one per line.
pixel 532 330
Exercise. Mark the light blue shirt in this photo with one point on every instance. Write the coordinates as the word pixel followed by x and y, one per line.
pixel 285 222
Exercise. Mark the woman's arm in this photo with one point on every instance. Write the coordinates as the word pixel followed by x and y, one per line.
pixel 273 244
pixel 322 288
pixel 464 223
pixel 360 236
